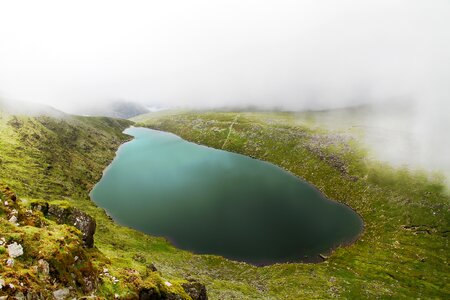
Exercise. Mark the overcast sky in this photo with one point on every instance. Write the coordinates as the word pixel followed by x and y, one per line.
pixel 302 54
pixel 293 54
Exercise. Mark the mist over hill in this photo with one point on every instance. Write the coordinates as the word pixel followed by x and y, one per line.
pixel 114 108
pixel 15 107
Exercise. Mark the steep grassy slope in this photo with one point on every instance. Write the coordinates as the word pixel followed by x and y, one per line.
pixel 59 160
pixel 403 252
pixel 43 156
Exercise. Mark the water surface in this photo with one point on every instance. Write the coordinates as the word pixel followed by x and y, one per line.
pixel 216 202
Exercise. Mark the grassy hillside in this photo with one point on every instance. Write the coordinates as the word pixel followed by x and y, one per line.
pixel 57 161
pixel 403 252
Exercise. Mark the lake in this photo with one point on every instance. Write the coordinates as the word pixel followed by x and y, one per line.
pixel 211 201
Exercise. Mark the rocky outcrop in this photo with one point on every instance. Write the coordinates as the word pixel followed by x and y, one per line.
pixel 195 290
pixel 70 216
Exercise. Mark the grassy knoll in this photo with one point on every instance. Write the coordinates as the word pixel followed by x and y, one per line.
pixel 403 252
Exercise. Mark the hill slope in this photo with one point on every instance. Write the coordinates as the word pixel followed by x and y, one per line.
pixel 55 162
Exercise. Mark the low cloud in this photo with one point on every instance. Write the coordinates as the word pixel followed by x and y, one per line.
pixel 311 54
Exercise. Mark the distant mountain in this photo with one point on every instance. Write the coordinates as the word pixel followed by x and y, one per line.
pixel 115 109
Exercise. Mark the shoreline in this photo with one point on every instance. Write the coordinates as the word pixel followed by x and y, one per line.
pixel 315 259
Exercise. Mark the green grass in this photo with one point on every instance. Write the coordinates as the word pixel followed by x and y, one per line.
pixel 59 161
pixel 403 252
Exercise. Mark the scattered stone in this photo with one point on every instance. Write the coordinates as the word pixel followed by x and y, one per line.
pixel 168 284
pixel 15 250
pixel 61 294
pixel 13 220
pixel 6 203
pixel 43 267
pixel 2 283
pixel 10 262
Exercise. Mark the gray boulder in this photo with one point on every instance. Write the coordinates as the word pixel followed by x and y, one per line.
pixel 61 294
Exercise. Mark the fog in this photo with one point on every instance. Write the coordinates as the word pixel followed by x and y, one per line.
pixel 295 55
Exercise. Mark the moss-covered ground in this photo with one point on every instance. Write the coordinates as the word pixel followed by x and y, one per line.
pixel 403 252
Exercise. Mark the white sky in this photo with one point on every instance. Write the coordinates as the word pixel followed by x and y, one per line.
pixel 294 54
pixel 290 54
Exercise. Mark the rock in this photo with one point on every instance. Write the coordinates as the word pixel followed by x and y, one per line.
pixel 195 290
pixel 61 294
pixel 15 250
pixel 86 224
pixel 168 284
pixel 10 262
pixel 40 206
pixel 3 297
pixel 43 267
pixel 13 220
pixel 2 283
pixel 90 283
pixel 151 267
pixel 70 216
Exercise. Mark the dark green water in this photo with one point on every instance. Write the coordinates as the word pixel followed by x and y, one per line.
pixel 217 202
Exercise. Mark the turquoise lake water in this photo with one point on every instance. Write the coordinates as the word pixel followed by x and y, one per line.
pixel 215 202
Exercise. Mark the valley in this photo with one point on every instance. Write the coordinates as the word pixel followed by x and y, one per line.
pixel 402 252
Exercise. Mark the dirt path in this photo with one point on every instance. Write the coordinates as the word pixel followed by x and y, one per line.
pixel 229 130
